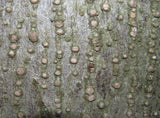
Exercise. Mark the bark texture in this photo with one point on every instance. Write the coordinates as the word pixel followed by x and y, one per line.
pixel 79 58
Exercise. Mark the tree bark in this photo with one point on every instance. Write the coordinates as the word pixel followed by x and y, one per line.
pixel 79 58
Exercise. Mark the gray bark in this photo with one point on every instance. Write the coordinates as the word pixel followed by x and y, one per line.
pixel 120 86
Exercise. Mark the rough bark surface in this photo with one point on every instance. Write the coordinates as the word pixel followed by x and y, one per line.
pixel 124 73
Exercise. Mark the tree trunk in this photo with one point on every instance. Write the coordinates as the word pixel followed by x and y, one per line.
pixel 79 58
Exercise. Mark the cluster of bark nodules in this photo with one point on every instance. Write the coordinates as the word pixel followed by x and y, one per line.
pixel 108 74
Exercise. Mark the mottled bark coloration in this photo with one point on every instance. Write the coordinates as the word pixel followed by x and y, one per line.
pixel 79 59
